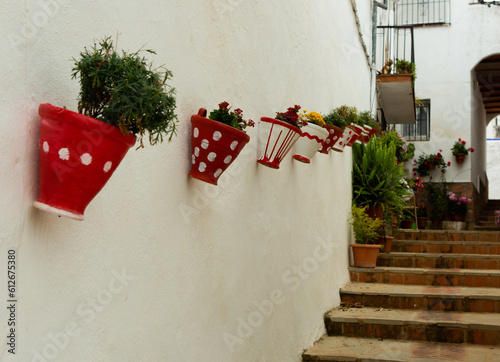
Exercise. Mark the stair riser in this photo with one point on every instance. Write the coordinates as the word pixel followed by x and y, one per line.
pixel 444 303
pixel 414 332
pixel 449 236
pixel 448 249
pixel 429 279
pixel 437 263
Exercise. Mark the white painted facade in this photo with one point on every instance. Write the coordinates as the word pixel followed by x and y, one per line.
pixel 445 57
pixel 164 267
pixel 493 158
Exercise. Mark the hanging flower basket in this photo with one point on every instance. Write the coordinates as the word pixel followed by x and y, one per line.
pixel 309 143
pixel 78 155
pixel 335 134
pixel 460 158
pixel 214 146
pixel 276 139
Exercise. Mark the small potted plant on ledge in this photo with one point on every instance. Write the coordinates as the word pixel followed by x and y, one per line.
pixel 460 151
pixel 121 96
pixel 366 233
pixel 216 141
pixel 422 215
pixel 457 206
pixel 277 136
pixel 335 124
pixel 425 164
pixel 312 137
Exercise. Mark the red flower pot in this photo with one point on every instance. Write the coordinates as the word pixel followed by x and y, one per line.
pixel 335 134
pixel 460 158
pixel 356 133
pixel 214 146
pixel 78 155
pixel 276 138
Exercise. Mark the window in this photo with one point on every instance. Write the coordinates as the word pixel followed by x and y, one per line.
pixel 421 130
pixel 422 12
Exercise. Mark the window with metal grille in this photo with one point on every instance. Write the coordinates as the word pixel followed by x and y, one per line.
pixel 421 130
pixel 422 12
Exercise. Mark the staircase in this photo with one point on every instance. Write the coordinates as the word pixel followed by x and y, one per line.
pixel 436 296
pixel 488 215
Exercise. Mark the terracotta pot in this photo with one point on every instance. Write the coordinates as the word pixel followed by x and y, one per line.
pixel 386 241
pixel 460 158
pixel 375 212
pixel 365 255
pixel 309 143
pixel 422 222
pixel 334 135
pixel 431 166
pixel 214 146
pixel 78 155
pixel 457 217
pixel 276 139
pixel 406 224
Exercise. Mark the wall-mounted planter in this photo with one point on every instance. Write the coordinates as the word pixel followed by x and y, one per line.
pixel 309 143
pixel 367 133
pixel 78 155
pixel 460 158
pixel 354 134
pixel 214 146
pixel 335 134
pixel 276 139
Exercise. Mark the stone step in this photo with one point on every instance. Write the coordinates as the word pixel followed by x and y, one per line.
pixel 395 296
pixel 366 349
pixel 487 228
pixel 447 235
pixel 438 261
pixel 459 247
pixel 435 277
pixel 430 326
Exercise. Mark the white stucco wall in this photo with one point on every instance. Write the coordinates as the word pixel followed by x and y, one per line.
pixel 445 57
pixel 493 160
pixel 167 268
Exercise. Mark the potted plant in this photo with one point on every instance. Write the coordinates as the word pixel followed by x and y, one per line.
pixel 402 66
pixel 354 127
pixel 365 230
pixel 407 218
pixel 457 206
pixel 427 163
pixel 377 178
pixel 438 202
pixel 460 151
pixel 216 141
pixel 121 96
pixel 312 137
pixel 277 136
pixel 370 125
pixel 422 215
pixel 335 123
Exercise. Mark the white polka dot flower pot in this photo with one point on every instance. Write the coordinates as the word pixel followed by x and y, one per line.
pixel 276 139
pixel 214 146
pixel 309 143
pixel 78 155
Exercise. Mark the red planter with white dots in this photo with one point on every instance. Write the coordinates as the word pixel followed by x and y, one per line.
pixel 78 155
pixel 335 135
pixel 214 146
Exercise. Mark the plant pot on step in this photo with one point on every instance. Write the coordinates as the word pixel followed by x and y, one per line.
pixel 334 135
pixel 386 241
pixel 276 139
pixel 422 222
pixel 365 255
pixel 406 224
pixel 457 217
pixel 309 143
pixel 78 155
pixel 214 146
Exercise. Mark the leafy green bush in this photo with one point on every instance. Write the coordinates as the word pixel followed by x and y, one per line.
pixel 124 90
pixel 366 230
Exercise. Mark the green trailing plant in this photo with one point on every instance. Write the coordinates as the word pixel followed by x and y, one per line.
pixel 123 89
pixel 377 176
pixel 233 118
pixel 366 230
pixel 403 66
pixel 408 214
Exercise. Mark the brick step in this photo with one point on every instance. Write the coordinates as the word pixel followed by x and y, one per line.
pixel 460 247
pixel 439 261
pixel 447 235
pixel 434 277
pixel 487 228
pixel 425 326
pixel 366 349
pixel 394 296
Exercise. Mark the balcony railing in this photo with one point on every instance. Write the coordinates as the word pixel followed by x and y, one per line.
pixel 394 42
pixel 422 12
